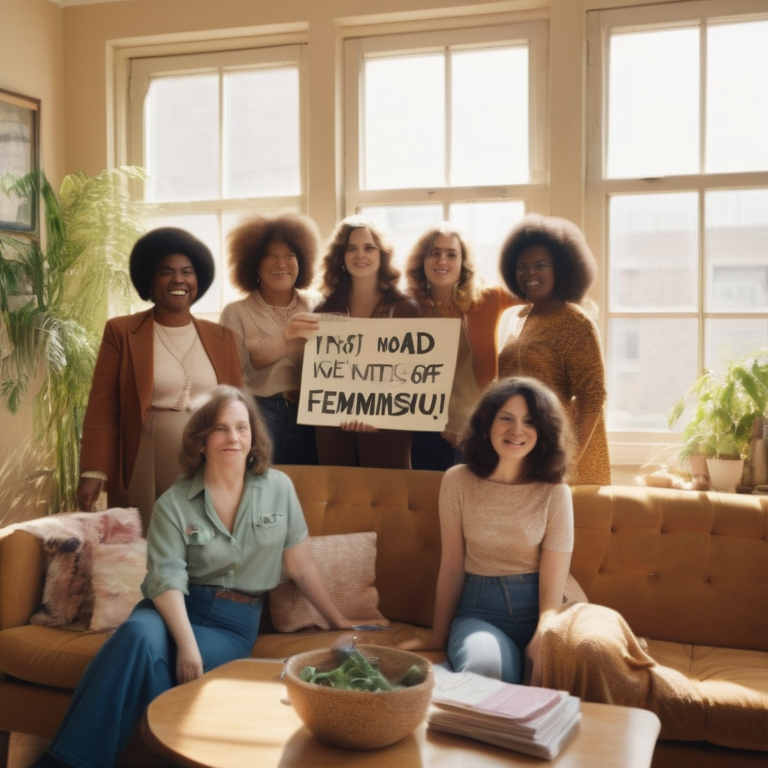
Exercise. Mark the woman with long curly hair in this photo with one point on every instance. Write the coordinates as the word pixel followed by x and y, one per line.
pixel 546 261
pixel 506 523
pixel 442 277
pixel 272 257
pixel 359 280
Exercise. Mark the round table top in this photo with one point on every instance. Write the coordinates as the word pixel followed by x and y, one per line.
pixel 238 715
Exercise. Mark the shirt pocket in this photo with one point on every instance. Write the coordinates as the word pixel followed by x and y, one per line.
pixel 268 527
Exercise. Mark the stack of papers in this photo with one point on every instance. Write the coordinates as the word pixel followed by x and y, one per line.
pixel 536 721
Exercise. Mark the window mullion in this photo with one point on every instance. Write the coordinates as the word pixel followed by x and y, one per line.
pixel 448 113
pixel 222 135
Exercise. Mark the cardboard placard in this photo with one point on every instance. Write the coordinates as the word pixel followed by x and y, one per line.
pixel 387 373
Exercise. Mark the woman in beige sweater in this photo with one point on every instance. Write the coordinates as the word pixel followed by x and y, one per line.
pixel 272 257
pixel 506 522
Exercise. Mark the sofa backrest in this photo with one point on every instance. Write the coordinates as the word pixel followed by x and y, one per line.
pixel 682 566
pixel 401 507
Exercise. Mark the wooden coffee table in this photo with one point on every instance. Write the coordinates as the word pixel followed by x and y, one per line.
pixel 234 716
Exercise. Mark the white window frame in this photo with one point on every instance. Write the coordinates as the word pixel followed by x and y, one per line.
pixel 535 194
pixel 139 66
pixel 634 448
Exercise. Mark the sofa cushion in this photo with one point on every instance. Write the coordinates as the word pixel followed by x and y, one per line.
pixel 347 566
pixel 732 685
pixel 55 657
pixel 276 645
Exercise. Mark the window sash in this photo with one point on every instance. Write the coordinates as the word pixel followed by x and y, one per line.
pixel 535 194
pixel 632 447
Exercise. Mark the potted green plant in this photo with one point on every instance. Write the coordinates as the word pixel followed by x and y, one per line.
pixel 725 405
pixel 54 295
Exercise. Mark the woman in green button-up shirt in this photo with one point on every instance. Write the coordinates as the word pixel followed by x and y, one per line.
pixel 217 540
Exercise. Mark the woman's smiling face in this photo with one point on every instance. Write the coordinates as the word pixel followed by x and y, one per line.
pixel 442 266
pixel 174 284
pixel 513 435
pixel 362 257
pixel 230 439
pixel 535 271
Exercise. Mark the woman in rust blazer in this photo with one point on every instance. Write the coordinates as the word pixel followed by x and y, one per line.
pixel 152 368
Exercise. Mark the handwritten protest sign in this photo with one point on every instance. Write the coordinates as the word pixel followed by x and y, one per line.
pixel 390 373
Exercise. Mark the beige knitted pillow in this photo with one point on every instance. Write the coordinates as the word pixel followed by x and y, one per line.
pixel 347 565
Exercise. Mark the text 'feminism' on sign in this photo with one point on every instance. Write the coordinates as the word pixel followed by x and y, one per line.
pixel 393 373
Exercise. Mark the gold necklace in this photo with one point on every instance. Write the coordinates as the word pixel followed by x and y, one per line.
pixel 186 393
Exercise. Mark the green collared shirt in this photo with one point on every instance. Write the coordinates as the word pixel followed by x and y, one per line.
pixel 188 544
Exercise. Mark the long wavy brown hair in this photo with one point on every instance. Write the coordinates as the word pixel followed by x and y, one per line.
pixel 468 287
pixel 336 283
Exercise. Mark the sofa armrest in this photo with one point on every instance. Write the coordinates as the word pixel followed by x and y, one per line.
pixel 21 577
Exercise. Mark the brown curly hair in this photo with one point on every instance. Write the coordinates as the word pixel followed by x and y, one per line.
pixel 336 282
pixel 204 420
pixel 466 291
pixel 550 458
pixel 249 241
pixel 575 266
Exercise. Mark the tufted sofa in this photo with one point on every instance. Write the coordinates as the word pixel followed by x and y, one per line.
pixel 687 570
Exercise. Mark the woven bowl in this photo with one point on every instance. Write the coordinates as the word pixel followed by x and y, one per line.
pixel 359 719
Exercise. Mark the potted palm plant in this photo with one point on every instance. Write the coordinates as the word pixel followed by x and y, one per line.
pixel 725 405
pixel 54 295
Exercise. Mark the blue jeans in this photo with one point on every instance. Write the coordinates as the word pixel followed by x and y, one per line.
pixel 137 664
pixel 292 443
pixel 495 621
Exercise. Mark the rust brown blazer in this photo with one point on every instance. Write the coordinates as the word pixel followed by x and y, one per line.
pixel 121 393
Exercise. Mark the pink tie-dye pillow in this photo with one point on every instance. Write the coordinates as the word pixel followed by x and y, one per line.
pixel 95 563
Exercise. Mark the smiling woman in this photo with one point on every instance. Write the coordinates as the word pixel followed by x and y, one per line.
pixel 151 370
pixel 360 281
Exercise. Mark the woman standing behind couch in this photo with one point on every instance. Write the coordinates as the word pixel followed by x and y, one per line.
pixel 506 523
pixel 151 369
pixel 441 277
pixel 218 539
pixel 360 281
pixel 273 257
pixel 547 262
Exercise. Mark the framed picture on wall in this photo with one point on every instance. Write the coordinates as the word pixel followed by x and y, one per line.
pixel 19 158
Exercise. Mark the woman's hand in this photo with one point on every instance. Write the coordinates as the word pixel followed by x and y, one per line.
pixel 357 426
pixel 302 325
pixel 88 492
pixel 189 664
pixel 450 437
pixel 533 659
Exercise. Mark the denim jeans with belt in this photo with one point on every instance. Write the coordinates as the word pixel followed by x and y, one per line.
pixel 495 621
pixel 137 664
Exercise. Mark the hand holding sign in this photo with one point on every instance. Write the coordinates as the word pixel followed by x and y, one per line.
pixel 302 325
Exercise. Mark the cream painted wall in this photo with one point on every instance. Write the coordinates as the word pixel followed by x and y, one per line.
pixel 32 63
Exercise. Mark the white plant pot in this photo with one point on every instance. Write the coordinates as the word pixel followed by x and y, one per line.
pixel 725 474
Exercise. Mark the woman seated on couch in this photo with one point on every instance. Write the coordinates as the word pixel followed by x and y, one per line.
pixel 506 521
pixel 217 541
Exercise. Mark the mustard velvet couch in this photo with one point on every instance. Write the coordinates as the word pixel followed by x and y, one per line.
pixel 687 570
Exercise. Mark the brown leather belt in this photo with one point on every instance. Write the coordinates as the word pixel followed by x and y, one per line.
pixel 238 597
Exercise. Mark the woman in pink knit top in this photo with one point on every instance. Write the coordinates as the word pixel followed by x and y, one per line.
pixel 506 521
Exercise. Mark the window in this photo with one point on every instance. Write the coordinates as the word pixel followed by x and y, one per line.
pixel 677 196
pixel 220 135
pixel 447 125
